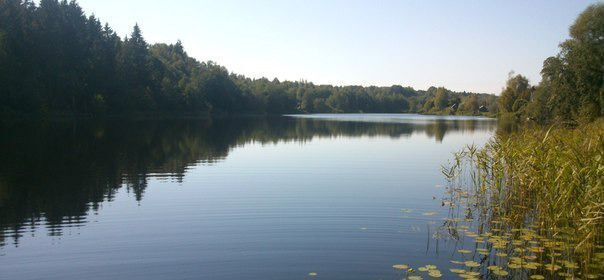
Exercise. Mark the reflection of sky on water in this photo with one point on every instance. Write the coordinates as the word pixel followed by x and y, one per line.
pixel 223 199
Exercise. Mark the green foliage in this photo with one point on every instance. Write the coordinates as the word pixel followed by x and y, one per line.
pixel 515 95
pixel 55 60
pixel 2 43
pixel 546 183
pixel 584 55
pixel 441 101
pixel 572 85
pixel 471 105
pixel 428 105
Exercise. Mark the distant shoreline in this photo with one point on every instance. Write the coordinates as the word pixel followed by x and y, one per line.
pixel 205 115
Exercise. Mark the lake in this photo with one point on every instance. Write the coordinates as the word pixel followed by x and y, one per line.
pixel 343 196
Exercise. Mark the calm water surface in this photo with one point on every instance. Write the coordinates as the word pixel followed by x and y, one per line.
pixel 344 196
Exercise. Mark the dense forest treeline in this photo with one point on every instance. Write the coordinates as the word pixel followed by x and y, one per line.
pixel 572 85
pixel 54 60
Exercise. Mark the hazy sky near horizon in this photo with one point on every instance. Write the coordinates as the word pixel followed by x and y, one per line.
pixel 462 45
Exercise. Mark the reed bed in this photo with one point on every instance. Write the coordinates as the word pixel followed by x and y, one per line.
pixel 528 205
pixel 532 202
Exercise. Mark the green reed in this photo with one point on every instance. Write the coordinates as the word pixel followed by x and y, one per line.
pixel 533 200
pixel 528 205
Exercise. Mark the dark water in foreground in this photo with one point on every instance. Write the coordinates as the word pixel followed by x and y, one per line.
pixel 249 198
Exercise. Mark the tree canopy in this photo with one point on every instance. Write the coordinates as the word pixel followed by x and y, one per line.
pixel 55 60
pixel 572 83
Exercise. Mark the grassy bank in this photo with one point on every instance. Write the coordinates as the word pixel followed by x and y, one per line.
pixel 536 201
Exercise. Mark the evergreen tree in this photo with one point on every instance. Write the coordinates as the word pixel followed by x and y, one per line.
pixel 133 67
pixel 55 60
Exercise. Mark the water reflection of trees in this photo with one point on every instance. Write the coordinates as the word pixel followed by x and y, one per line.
pixel 53 174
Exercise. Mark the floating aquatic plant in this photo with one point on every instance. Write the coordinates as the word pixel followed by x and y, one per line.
pixel 529 204
pixel 400 267
pixel 533 203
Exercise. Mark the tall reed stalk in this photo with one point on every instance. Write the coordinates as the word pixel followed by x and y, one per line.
pixel 543 186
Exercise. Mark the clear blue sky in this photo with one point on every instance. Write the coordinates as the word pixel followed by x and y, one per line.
pixel 462 45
